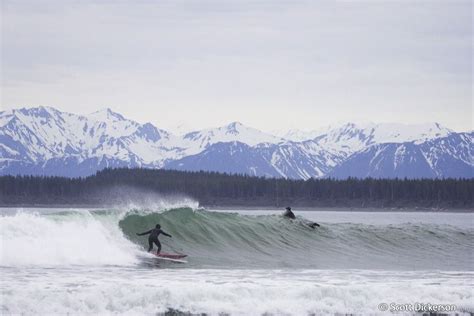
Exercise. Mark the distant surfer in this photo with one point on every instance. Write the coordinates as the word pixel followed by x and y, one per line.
pixel 153 238
pixel 289 214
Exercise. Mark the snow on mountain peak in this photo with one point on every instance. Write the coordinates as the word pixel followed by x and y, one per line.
pixel 112 123
pixel 234 124
pixel 39 110
pixel 374 132
pixel 235 131
pixel 197 141
pixel 398 133
pixel 5 117
pixel 234 127
pixel 352 137
pixel 40 135
pixel 298 135
pixel 105 115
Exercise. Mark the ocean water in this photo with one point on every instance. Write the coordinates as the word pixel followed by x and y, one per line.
pixel 90 261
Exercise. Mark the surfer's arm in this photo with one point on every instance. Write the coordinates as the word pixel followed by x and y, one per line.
pixel 165 234
pixel 145 233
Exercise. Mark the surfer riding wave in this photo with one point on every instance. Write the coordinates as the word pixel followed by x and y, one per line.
pixel 153 238
pixel 289 214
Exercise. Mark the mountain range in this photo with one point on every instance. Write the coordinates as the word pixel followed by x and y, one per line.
pixel 45 141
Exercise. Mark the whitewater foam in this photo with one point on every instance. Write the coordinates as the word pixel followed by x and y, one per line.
pixel 78 238
pixel 234 292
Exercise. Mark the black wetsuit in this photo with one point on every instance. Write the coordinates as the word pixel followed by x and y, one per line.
pixel 153 238
pixel 289 214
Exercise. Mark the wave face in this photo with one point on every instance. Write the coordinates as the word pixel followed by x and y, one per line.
pixel 230 240
pixel 213 239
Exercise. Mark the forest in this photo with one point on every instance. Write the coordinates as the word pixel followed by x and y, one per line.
pixel 114 186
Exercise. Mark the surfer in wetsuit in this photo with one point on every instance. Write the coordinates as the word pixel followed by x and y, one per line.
pixel 153 238
pixel 289 214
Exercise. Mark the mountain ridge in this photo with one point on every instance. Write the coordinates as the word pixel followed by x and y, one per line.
pixel 43 140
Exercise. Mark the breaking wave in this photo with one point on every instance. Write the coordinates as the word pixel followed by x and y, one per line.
pixel 221 240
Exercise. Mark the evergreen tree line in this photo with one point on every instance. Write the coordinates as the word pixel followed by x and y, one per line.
pixel 211 188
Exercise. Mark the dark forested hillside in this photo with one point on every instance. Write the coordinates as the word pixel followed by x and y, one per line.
pixel 113 186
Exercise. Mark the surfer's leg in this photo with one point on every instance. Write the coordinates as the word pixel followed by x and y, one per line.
pixel 158 244
pixel 150 245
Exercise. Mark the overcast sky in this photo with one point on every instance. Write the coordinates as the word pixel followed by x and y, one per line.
pixel 269 64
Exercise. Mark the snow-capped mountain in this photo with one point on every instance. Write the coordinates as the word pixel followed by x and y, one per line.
pixel 289 160
pixel 46 141
pixel 438 158
pixel 298 135
pixel 368 133
pixel 32 139
pixel 230 157
pixel 449 156
pixel 350 138
pixel 234 132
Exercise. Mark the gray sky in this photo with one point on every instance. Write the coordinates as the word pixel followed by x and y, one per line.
pixel 269 64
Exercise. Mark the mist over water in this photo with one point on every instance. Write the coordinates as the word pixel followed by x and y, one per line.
pixel 91 261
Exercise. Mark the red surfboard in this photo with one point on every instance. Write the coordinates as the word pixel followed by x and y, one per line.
pixel 171 255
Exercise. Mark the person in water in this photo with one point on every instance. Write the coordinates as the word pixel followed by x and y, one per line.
pixel 289 214
pixel 153 238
